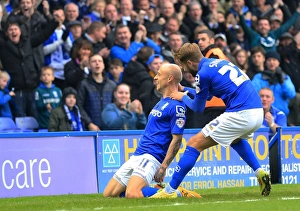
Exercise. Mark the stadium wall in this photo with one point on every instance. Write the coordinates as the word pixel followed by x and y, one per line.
pixel 83 162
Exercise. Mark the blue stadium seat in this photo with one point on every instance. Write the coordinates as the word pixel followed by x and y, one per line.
pixel 27 124
pixel 8 125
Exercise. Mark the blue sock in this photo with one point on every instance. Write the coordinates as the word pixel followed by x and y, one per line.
pixel 122 195
pixel 185 164
pixel 245 152
pixel 149 191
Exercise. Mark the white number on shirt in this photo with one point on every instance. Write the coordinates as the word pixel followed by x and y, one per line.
pixel 233 75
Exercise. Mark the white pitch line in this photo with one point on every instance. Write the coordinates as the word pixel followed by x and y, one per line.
pixel 183 204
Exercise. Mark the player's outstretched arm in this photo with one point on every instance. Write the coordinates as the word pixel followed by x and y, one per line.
pixel 171 153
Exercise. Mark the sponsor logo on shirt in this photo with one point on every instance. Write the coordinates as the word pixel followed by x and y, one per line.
pixel 155 112
pixel 180 111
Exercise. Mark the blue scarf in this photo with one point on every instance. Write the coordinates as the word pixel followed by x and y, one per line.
pixel 75 120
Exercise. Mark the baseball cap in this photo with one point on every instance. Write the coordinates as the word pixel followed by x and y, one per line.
pixel 221 36
pixel 152 57
pixel 286 35
pixel 74 23
pixel 274 18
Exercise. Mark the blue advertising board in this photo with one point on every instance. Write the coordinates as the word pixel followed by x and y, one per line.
pixel 216 167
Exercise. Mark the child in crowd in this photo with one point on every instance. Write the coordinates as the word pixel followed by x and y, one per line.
pixel 47 97
pixel 116 70
pixel 5 95
pixel 67 117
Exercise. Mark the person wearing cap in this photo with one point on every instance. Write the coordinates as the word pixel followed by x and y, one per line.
pixel 290 56
pixel 68 116
pixel 264 36
pixel 57 49
pixel 274 78
pixel 75 28
pixel 154 63
pixel 275 22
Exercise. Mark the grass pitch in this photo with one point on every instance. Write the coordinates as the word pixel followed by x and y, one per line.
pixel 282 197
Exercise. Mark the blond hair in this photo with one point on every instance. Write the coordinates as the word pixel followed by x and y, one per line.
pixel 189 51
pixel 4 75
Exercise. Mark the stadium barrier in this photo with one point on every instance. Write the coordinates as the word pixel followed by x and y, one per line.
pixel 83 162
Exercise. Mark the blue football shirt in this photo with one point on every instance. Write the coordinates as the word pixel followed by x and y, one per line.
pixel 166 118
pixel 222 79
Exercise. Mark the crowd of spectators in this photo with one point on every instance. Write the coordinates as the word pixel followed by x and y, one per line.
pixel 90 53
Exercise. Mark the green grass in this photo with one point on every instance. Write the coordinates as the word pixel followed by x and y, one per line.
pixel 282 197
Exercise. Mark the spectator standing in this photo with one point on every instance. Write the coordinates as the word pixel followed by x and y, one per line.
pixel 257 61
pixel 95 92
pixel 16 54
pixel 47 97
pixel 97 10
pixel 274 78
pixel 264 36
pixel 75 28
pixel 77 69
pixel 57 49
pixel 124 49
pixel 123 114
pixel 116 70
pixel 290 64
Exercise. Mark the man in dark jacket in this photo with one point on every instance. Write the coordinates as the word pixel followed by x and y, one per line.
pixel 16 54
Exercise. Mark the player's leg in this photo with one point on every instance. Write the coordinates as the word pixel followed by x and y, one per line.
pixel 144 169
pixel 196 144
pixel 117 185
pixel 114 188
pixel 253 120
pixel 135 188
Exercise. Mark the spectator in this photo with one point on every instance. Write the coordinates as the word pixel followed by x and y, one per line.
pixel 16 53
pixel 97 10
pixel 116 70
pixel 75 28
pixel 215 106
pixel 57 48
pixel 241 58
pixel 124 49
pixel 290 64
pixel 221 42
pixel 275 22
pixel 136 75
pixel 257 61
pixel 154 62
pixel 264 36
pixel 47 97
pixel 5 95
pixel 71 12
pixel 68 117
pixel 96 34
pixel 273 117
pixel 193 18
pixel 76 69
pixel 126 10
pixel 274 78
pixel 241 39
pixel 172 25
pixel 175 42
pixel 95 92
pixel 34 22
pixel 123 114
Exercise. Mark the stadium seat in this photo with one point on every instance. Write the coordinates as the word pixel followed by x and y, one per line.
pixel 27 124
pixel 8 125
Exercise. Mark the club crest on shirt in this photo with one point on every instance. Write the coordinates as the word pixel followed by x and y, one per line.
pixel 180 122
